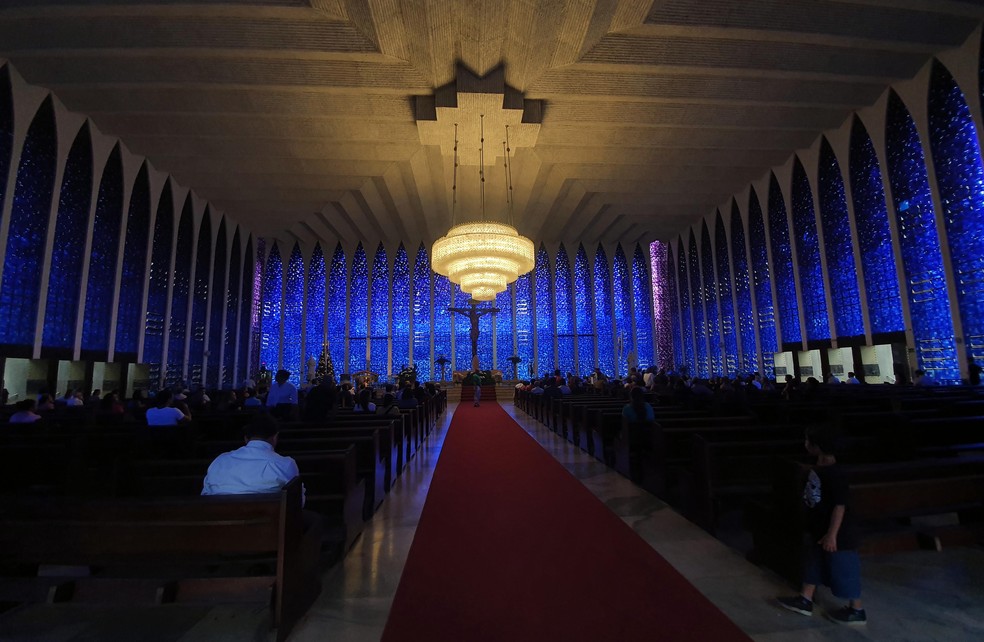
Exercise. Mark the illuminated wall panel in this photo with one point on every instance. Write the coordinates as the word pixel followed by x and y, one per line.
pixel 812 290
pixel 544 288
pixel 625 344
pixel 358 318
pixel 744 318
pixel 379 319
pixel 294 317
pixel 725 299
pixel 337 315
pixel 180 292
pixel 134 267
pixel 160 278
pixel 686 317
pixel 762 280
pixel 423 325
pixel 216 329
pixel 710 302
pixel 583 314
pixel 524 325
pixel 565 311
pixel 402 305
pixel 604 315
pixel 782 263
pixel 102 257
pixel 697 307
pixel 199 301
pixel 642 299
pixel 273 296
pixel 315 301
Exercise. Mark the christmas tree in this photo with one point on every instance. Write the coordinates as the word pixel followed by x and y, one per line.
pixel 325 367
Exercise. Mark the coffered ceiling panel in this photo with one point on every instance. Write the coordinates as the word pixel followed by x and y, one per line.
pixel 298 117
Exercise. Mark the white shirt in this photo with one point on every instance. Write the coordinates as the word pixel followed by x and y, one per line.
pixel 254 468
pixel 166 416
pixel 281 393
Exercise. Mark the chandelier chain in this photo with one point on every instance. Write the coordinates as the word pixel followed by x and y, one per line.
pixel 481 163
pixel 509 184
pixel 454 177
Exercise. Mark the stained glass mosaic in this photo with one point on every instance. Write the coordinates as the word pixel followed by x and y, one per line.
pixel 687 323
pixel 71 227
pixel 402 304
pixel 881 281
pixel 642 302
pixel 294 317
pixel 199 300
pixel 337 315
pixel 544 288
pixel 256 308
pixel 231 335
pixel 667 360
pixel 21 284
pixel 563 312
pixel 6 130
pixel 625 345
pixel 960 180
pixel 583 314
pixel 359 312
pixel 812 290
pixel 710 301
pixel 929 304
pixel 697 307
pixel 102 256
pixel 666 322
pixel 726 301
pixel 216 327
pixel 744 317
pixel 762 282
pixel 272 310
pixel 249 325
pixel 605 315
pixel 379 315
pixel 504 332
pixel 134 266
pixel 842 274
pixel 782 263
pixel 422 319
pixel 524 325
pixel 442 328
pixel 157 284
pixel 315 301
pixel 180 292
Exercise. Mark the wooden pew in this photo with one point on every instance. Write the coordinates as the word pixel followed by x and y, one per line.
pixel 161 551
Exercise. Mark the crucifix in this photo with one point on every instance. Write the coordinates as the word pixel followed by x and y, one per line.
pixel 474 313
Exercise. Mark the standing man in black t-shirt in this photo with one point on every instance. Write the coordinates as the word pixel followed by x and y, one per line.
pixel 832 557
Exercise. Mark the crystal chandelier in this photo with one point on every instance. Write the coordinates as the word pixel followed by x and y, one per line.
pixel 482 257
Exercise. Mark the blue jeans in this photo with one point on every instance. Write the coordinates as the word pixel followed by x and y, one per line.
pixel 841 571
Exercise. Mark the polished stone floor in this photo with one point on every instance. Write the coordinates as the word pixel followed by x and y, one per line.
pixel 918 596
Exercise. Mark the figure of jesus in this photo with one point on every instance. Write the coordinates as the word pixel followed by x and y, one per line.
pixel 474 313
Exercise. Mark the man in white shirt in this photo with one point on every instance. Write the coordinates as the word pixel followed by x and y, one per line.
pixel 253 468
pixel 282 398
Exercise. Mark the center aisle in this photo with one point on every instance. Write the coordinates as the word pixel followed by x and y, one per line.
pixel 510 546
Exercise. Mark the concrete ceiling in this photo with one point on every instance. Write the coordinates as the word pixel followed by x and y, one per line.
pixel 297 118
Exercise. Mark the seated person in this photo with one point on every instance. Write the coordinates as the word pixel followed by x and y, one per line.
pixel 637 409
pixel 25 412
pixel 253 468
pixel 250 399
pixel 165 414
pixel 389 405
pixel 364 403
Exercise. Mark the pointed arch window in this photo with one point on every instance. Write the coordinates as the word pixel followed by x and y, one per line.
pixel 423 326
pixel 782 261
pixel 725 299
pixel 604 314
pixel 625 343
pixel 442 326
pixel 272 315
pixel 216 328
pixel 155 319
pixel 134 267
pixel 686 317
pixel 6 130
pixel 337 310
pixel 583 313
pixel 808 256
pixel 745 319
pixel 402 303
pixel 359 312
pixel 231 335
pixel 249 340
pixel 294 316
pixel 642 307
pixel 504 331
pixel 762 278
pixel 524 325
pixel 180 291
pixel 666 311
pixel 314 300
pixel 544 313
pixel 697 306
pixel 199 300
pixel 379 316
pixel 710 302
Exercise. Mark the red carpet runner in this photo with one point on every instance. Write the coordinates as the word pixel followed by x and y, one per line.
pixel 510 546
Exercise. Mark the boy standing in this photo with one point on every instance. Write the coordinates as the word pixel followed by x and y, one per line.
pixel 832 558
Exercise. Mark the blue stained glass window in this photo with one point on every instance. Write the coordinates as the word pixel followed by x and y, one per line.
pixel 6 130
pixel 160 277
pixel 564 300
pixel 67 252
pixel 782 261
pixel 314 330
pixel 462 333
pixel 199 300
pixel 842 273
pixel 583 314
pixel 808 255
pixel 642 305
pixel 504 331
pixel 666 312
pixel 670 358
pixel 273 300
pixel 402 304
pixel 744 318
pixel 102 257
pixel 485 331
pixel 697 306
pixel 605 315
pixel 874 236
pixel 686 323
pixel 294 316
pixel 249 357
pixel 622 298
pixel 725 299
pixel 359 312
pixel 379 320
pixel 26 241
pixel 524 325
pixel 231 334
pixel 337 310
pixel 256 314
pixel 544 285
pixel 442 327
pixel 960 179
pixel 710 301
pixel 422 323
pixel 929 304
pixel 216 329
pixel 762 280
pixel 134 265
pixel 180 291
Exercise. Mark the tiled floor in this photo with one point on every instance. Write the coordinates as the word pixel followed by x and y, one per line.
pixel 913 596
pixel 918 596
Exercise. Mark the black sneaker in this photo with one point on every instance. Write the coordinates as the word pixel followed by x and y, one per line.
pixel 847 615
pixel 797 603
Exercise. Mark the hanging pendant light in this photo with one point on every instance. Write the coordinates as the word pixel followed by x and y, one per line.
pixel 482 257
